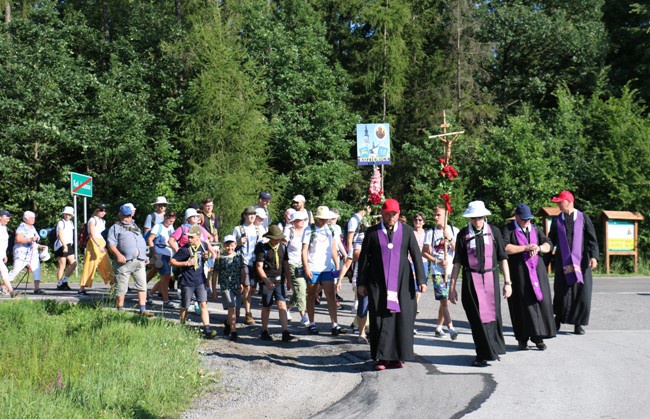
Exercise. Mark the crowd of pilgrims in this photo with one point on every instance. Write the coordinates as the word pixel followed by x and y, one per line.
pixel 309 255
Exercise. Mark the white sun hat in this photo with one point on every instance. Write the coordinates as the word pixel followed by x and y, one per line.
pixel 476 209
pixel 68 210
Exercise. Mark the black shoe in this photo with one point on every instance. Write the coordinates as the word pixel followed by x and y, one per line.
pixel 338 330
pixel 209 333
pixel 523 345
pixel 61 287
pixel 287 337
pixel 557 324
pixel 312 330
pixel 67 286
pixel 226 329
pixel 480 363
pixel 541 345
pixel 233 336
pixel 266 335
pixel 578 330
pixel 82 292
pixel 39 291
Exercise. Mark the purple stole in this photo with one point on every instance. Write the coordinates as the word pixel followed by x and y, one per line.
pixel 530 261
pixel 390 258
pixel 483 282
pixel 571 257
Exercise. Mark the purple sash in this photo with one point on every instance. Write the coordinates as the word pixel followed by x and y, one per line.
pixel 483 282
pixel 390 259
pixel 531 261
pixel 571 258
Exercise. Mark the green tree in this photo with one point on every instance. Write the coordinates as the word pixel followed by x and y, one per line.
pixel 540 46
pixel 225 134
pixel 311 126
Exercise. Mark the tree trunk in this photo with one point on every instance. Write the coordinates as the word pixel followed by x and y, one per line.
pixel 7 11
pixel 179 16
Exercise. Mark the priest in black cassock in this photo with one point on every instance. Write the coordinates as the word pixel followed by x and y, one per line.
pixel 385 275
pixel 531 306
pixel 479 247
pixel 576 256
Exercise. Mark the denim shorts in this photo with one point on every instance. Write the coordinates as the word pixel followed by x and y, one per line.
pixel 199 292
pixel 317 277
pixel 268 295
pixel 231 298
pixel 165 268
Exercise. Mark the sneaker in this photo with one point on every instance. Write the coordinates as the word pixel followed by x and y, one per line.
pixel 168 304
pixel 312 329
pixel 209 333
pixel 338 330
pixel 289 314
pixel 233 336
pixel 440 334
pixel 453 334
pixel 39 291
pixel 120 309
pixel 82 292
pixel 66 286
pixel 266 335
pixel 305 320
pixel 250 321
pixel 146 313
pixel 287 337
pixel 61 287
pixel 5 291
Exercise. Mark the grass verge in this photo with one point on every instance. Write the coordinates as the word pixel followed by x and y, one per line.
pixel 76 361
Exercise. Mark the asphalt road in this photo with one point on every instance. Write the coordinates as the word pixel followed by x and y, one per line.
pixel 602 374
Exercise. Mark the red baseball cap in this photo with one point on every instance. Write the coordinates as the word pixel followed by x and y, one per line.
pixel 563 196
pixel 390 205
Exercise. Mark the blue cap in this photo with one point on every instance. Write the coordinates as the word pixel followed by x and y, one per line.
pixel 126 210
pixel 524 212
pixel 265 195
pixel 5 213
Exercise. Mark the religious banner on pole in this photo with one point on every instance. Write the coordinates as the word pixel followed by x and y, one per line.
pixel 373 144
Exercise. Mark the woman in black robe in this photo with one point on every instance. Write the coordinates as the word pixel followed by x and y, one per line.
pixel 480 289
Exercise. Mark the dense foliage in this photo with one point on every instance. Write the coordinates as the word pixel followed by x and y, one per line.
pixel 206 98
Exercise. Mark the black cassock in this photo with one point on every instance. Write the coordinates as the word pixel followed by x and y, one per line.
pixel 530 318
pixel 391 334
pixel 572 303
pixel 488 337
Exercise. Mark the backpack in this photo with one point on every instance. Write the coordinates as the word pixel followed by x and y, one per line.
pixel 312 237
pixel 84 236
pixel 52 236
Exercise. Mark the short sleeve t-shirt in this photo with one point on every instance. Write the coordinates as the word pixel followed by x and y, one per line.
pixel 254 235
pixel 192 276
pixel 319 254
pixel 229 268
pixel 433 238
pixel 180 235
pixel 161 240
pixel 294 245
pixel 67 227
pixel 271 263
pixel 159 218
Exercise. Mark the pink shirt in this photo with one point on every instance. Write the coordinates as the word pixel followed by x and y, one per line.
pixel 180 234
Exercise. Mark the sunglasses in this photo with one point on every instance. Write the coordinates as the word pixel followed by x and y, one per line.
pixel 418 220
pixel 102 210
pixel 162 205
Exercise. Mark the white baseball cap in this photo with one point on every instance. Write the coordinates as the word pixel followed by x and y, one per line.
pixel 299 198
pixel 259 212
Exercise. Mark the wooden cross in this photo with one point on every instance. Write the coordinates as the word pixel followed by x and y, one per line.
pixel 443 137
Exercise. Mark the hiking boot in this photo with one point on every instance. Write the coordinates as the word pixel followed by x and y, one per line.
pixel 312 329
pixel 338 330
pixel 287 337
pixel 266 335
pixel 233 336
pixel 209 333
pixel 250 321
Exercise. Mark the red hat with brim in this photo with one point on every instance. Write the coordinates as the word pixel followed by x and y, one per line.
pixel 390 205
pixel 563 196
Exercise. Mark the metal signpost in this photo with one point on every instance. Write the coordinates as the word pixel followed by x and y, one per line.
pixel 81 185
